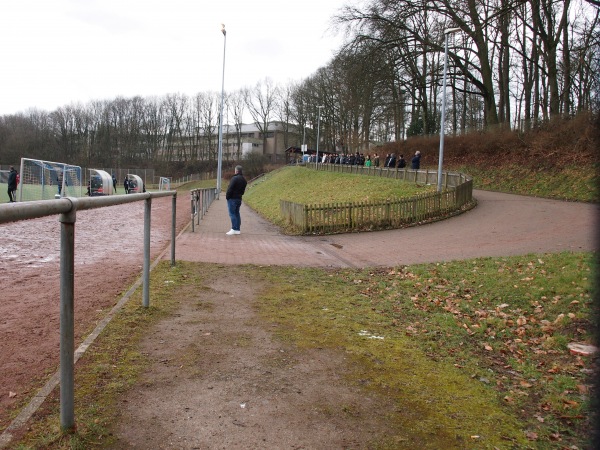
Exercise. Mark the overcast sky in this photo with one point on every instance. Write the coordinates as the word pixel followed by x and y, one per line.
pixel 61 52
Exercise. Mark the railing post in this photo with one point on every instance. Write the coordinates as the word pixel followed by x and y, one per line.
pixel 146 277
pixel 192 205
pixel 173 226
pixel 203 201
pixel 67 334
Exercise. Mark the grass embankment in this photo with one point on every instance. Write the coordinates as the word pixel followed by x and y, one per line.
pixel 306 186
pixel 556 159
pixel 573 183
pixel 474 353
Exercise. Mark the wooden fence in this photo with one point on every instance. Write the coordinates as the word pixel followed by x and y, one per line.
pixel 332 218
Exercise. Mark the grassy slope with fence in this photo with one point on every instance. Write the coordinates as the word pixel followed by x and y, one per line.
pixel 306 186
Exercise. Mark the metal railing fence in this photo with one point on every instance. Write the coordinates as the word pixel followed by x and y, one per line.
pixel 201 199
pixel 67 208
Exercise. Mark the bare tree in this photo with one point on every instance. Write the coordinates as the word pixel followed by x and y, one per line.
pixel 207 105
pixel 549 20
pixel 261 101
pixel 237 104
pixel 283 112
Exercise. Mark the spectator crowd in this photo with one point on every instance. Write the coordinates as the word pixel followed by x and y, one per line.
pixel 359 159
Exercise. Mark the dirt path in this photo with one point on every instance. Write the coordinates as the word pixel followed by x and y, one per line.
pixel 220 381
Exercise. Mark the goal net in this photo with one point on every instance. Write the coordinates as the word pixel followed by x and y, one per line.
pixel 45 180
pixel 4 185
pixel 164 184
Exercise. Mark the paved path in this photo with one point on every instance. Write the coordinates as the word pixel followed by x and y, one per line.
pixel 500 225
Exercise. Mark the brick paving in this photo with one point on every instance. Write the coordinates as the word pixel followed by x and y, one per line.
pixel 500 225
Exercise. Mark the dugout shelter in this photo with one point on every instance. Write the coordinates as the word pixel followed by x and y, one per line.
pixel 100 183
pixel 136 185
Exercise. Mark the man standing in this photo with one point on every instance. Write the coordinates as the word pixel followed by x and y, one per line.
pixel 59 182
pixel 235 190
pixel 12 184
pixel 416 161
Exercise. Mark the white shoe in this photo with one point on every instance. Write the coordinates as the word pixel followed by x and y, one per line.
pixel 237 232
pixel 231 232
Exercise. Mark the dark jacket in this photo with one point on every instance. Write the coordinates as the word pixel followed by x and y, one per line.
pixel 237 187
pixel 416 162
pixel 12 180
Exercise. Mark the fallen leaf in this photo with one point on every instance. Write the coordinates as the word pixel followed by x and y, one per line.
pixel 11 394
pixel 488 347
pixel 570 404
pixel 532 436
pixel 559 318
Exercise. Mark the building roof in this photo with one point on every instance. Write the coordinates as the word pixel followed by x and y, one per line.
pixel 274 125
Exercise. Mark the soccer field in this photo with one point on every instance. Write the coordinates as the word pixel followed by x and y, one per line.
pixel 45 192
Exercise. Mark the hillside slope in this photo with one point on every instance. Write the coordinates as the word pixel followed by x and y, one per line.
pixel 558 159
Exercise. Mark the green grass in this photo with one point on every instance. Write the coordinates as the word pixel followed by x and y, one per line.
pixel 478 347
pixel 574 183
pixel 307 186
pixel 38 192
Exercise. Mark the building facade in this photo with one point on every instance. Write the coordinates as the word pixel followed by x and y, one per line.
pixel 249 139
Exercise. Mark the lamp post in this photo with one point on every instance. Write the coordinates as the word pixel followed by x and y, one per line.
pixel 443 118
pixel 220 155
pixel 318 130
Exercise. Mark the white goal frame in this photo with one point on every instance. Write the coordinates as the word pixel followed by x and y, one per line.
pixel 45 180
pixel 164 184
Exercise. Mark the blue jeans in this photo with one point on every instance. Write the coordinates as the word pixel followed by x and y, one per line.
pixel 233 205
